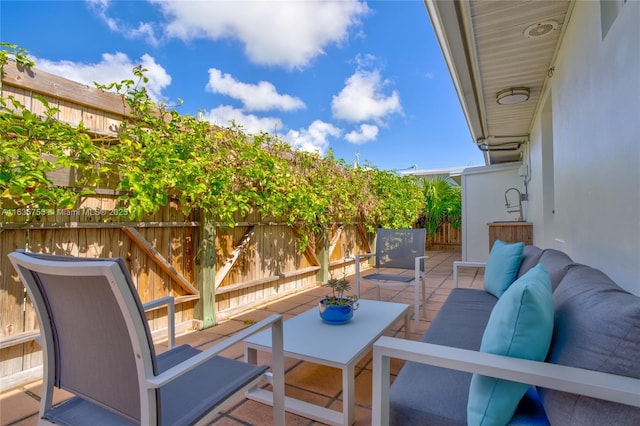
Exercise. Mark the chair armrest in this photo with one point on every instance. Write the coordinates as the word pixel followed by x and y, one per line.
pixel 357 262
pixel 171 316
pixel 418 259
pixel 361 256
pixel 457 264
pixel 274 321
pixel 595 384
pixel 417 267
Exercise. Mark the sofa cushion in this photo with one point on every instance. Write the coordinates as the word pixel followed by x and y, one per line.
pixel 502 266
pixel 557 263
pixel 520 325
pixel 530 258
pixel 425 394
pixel 597 327
pixel 476 305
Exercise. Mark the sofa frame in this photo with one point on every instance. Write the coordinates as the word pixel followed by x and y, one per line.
pixel 595 384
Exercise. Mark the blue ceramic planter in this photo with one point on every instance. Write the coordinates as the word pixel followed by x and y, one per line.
pixel 337 314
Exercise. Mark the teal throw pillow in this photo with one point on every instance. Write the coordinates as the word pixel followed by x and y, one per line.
pixel 502 266
pixel 520 326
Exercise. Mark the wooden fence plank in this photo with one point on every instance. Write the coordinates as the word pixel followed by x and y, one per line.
pixel 63 89
pixel 307 252
pixel 335 239
pixel 237 251
pixel 159 260
pixel 364 238
pixel 244 285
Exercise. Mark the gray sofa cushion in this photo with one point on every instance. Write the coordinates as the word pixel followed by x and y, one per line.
pixel 557 263
pixel 530 258
pixel 476 305
pixel 597 326
pixel 427 395
pixel 424 394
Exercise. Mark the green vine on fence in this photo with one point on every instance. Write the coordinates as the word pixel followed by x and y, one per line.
pixel 160 155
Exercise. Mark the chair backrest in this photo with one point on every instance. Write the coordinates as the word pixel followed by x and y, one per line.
pixel 398 248
pixel 93 325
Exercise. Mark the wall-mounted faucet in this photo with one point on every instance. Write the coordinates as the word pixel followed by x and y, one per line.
pixel 511 208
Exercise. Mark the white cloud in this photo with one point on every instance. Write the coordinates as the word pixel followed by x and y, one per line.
pixel 366 133
pixel 362 99
pixel 366 60
pixel 313 139
pixel 144 30
pixel 225 114
pixel 112 68
pixel 280 33
pixel 255 97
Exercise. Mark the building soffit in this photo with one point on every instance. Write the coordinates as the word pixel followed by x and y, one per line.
pixel 490 46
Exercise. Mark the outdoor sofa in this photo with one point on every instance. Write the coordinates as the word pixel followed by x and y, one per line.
pixel 584 369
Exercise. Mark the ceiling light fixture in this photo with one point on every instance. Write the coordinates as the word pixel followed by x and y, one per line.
pixel 541 29
pixel 512 95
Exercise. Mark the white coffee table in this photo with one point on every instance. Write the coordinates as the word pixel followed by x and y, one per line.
pixel 307 338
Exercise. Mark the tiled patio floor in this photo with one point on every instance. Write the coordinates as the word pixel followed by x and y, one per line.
pixel 311 382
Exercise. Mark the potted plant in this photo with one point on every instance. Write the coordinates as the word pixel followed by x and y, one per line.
pixel 338 308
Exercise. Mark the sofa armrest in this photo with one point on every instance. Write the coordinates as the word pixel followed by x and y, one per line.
pixel 461 264
pixel 595 384
pixel 171 316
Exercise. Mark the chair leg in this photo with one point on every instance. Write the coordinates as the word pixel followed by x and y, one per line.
pixel 357 276
pixel 48 380
pixel 416 307
pixel 424 297
pixel 46 401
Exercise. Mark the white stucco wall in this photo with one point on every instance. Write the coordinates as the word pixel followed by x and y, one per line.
pixel 483 202
pixel 594 99
pixel 540 160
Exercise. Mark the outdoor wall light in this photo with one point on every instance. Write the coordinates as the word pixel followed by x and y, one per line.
pixel 513 95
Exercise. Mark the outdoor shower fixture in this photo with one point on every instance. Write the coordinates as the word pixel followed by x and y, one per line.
pixel 511 208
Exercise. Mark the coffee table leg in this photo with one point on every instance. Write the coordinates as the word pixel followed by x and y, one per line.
pixel 251 356
pixel 348 394
pixel 406 325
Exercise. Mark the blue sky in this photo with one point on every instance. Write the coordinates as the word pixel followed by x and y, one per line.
pixel 354 77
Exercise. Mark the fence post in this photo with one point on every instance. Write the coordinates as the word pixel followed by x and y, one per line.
pixel 323 256
pixel 205 309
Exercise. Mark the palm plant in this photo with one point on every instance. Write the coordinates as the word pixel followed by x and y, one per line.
pixel 443 202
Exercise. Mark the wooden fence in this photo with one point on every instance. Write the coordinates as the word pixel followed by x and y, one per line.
pixel 254 263
pixel 259 262
pixel 446 238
